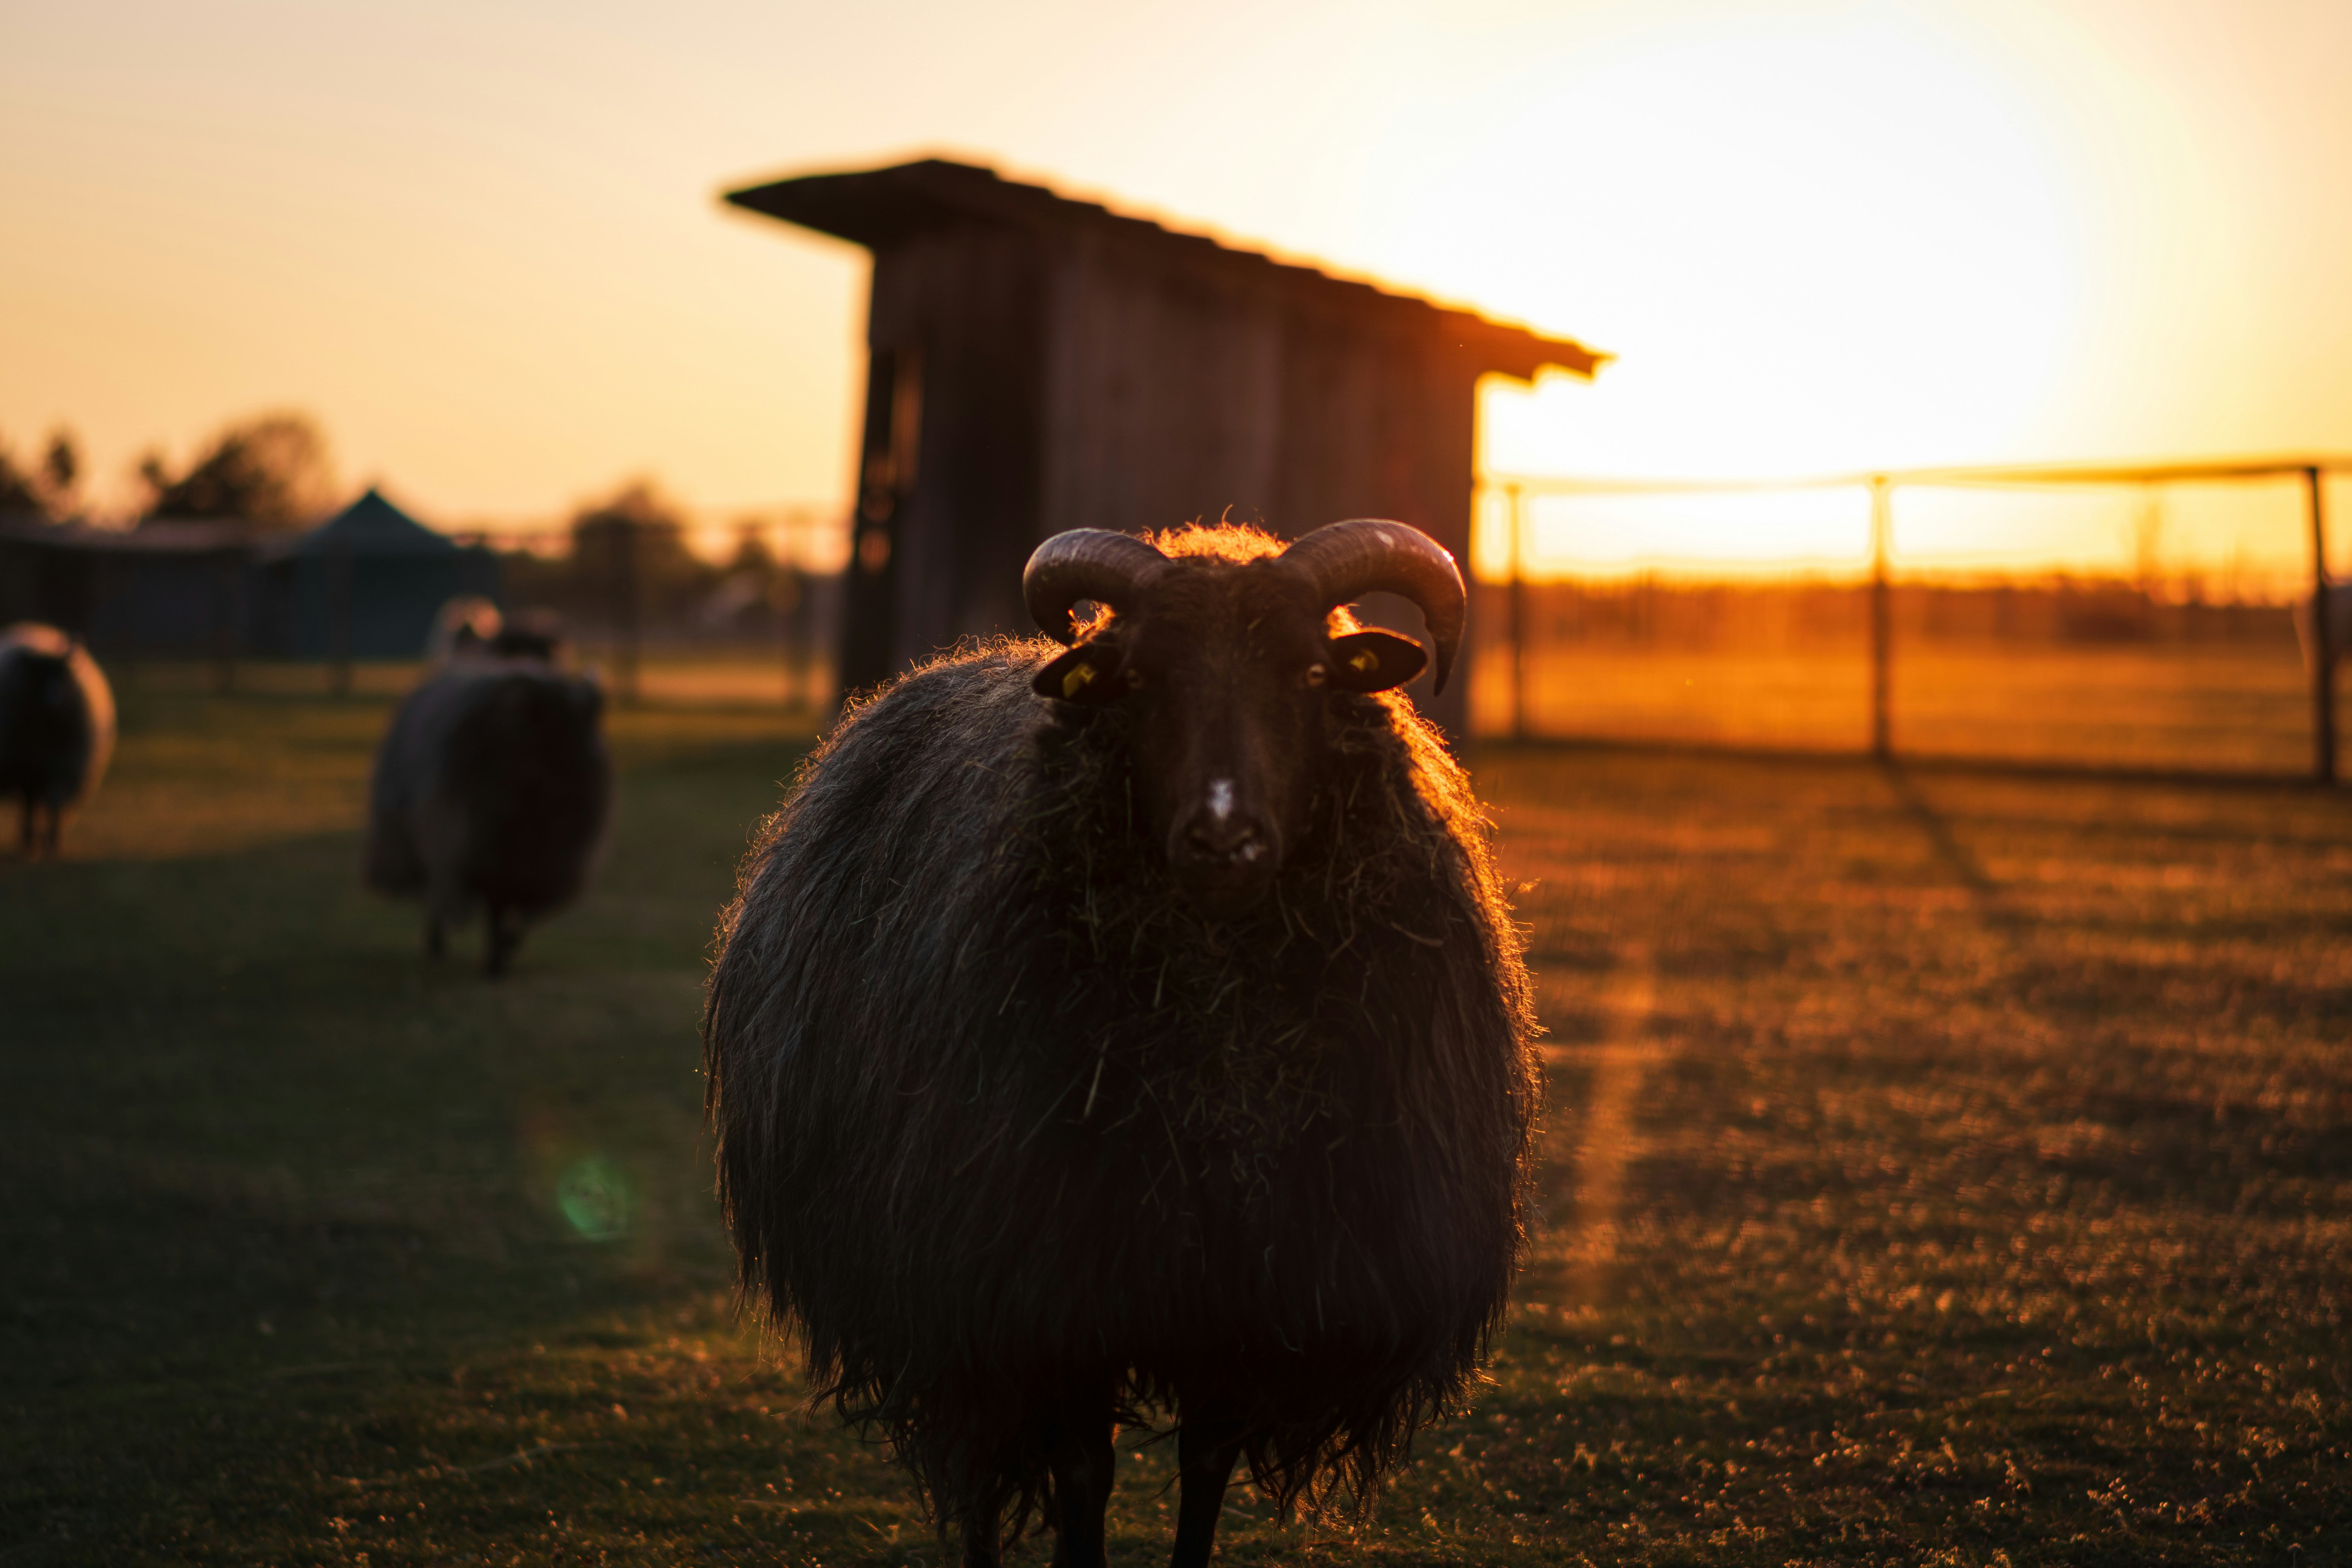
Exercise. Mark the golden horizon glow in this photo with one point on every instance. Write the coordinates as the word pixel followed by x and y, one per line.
pixel 2237 541
pixel 481 243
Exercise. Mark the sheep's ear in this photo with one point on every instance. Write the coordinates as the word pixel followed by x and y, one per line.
pixel 1374 661
pixel 1088 674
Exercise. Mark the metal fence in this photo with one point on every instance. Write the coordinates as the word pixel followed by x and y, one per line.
pixel 747 610
pixel 744 611
pixel 2171 617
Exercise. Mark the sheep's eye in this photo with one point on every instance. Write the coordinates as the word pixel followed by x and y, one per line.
pixel 1316 675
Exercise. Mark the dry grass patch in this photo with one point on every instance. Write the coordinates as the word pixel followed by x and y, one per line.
pixel 1937 1169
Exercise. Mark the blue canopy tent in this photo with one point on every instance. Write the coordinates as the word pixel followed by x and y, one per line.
pixel 365 584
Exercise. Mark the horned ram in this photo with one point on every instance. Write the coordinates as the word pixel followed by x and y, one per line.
pixel 1135 1032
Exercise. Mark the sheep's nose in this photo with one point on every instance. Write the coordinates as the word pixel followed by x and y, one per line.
pixel 1230 840
pixel 1223 851
pixel 1224 832
pixel 1224 861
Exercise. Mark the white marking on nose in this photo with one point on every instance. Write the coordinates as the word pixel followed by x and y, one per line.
pixel 1220 798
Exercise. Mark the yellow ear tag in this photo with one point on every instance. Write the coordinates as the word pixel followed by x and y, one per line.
pixel 1363 662
pixel 1075 679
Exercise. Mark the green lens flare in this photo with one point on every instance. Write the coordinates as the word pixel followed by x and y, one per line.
pixel 596 1198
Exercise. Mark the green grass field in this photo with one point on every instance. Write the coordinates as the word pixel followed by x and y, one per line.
pixel 1936 1169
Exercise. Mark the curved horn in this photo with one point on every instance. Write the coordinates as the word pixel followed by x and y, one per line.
pixel 1085 564
pixel 1346 559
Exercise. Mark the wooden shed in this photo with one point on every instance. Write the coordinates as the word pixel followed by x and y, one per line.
pixel 1039 363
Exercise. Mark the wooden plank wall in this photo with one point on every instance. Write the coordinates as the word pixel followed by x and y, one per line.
pixel 970 302
pixel 1174 396
pixel 1078 381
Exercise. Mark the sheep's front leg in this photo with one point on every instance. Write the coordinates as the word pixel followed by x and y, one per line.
pixel 1208 1445
pixel 1083 1460
pixel 980 1547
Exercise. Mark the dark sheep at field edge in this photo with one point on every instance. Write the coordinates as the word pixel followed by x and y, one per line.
pixel 57 729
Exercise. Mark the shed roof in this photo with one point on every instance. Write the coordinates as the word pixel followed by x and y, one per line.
pixel 880 207
pixel 369 526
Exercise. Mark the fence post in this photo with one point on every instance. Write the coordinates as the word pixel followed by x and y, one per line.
pixel 626 610
pixel 791 599
pixel 2323 641
pixel 225 609
pixel 1518 613
pixel 1882 618
pixel 339 617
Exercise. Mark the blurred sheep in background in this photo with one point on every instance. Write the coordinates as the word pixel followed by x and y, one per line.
pixel 464 625
pixel 470 626
pixel 57 728
pixel 492 787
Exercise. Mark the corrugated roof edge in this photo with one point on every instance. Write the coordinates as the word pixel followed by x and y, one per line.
pixel 874 208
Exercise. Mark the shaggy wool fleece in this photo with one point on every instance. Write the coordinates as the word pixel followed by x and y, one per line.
pixel 999 1114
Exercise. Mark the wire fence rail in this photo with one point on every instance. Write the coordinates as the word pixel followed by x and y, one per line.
pixel 2236 656
pixel 747 610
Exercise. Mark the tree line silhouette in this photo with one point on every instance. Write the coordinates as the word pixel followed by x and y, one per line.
pixel 624 556
pixel 267 474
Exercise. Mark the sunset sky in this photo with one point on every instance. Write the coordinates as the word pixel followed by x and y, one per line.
pixel 482 242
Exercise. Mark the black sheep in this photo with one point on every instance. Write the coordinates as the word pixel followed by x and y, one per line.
pixel 57 728
pixel 492 791
pixel 1155 1047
